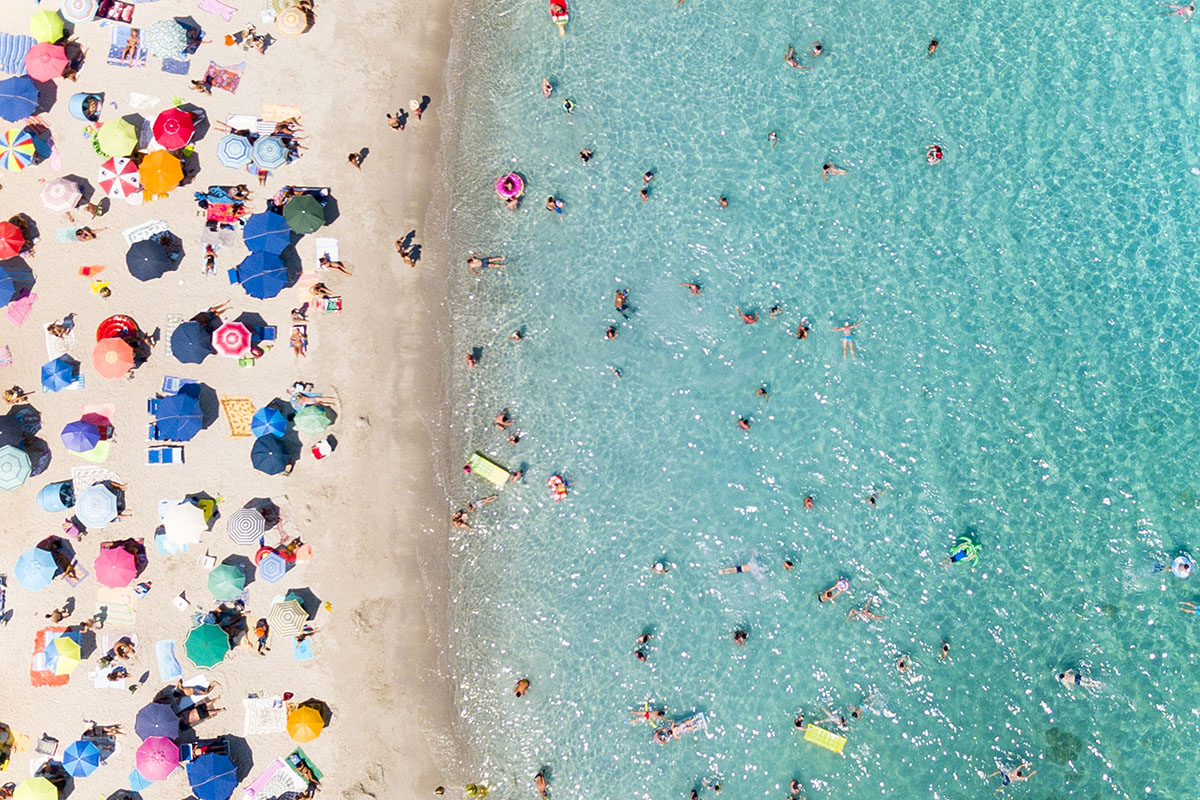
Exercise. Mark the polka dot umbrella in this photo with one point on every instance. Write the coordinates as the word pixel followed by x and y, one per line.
pixel 16 149
pixel 165 39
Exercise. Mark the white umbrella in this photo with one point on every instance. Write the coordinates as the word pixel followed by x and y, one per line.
pixel 60 195
pixel 184 523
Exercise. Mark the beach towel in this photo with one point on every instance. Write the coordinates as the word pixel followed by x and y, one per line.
pixel 116 46
pixel 5 356
pixel 116 11
pixel 302 651
pixel 239 410
pixel 146 230
pixel 176 67
pixel 109 640
pixel 100 679
pixel 55 346
pixel 66 234
pixel 75 574
pixel 264 715
pixel 83 477
pixel 226 78
pixel 118 606
pixel 13 49
pixel 274 112
pixel 222 10
pixel 168 547
pixel 38 674
pixel 18 310
pixel 138 781
pixel 168 664
pixel 98 454
pixel 327 248
pixel 141 102
pixel 173 322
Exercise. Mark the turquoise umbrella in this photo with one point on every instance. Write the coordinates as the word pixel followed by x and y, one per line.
pixel 14 467
pixel 311 420
pixel 35 569
pixel 226 581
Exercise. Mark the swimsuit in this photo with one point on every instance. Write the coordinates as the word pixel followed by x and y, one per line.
pixel 1006 780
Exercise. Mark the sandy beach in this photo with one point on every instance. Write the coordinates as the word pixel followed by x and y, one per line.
pixel 374 511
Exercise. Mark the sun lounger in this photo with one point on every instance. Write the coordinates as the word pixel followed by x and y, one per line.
pixel 164 454
pixel 172 385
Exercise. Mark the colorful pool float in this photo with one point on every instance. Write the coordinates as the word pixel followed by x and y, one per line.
pixel 510 186
pixel 558 487
pixel 560 15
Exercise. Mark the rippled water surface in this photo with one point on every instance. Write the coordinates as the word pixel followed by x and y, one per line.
pixel 1027 375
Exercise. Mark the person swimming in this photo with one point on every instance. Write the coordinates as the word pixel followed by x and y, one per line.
pixel 1184 11
pixel 933 154
pixel 832 592
pixel 847 331
pixel 789 58
pixel 1071 678
pixel 828 169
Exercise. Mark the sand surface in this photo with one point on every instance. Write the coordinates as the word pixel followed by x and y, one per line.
pixel 373 511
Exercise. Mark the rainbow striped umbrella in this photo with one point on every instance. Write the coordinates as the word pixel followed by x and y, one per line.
pixel 16 149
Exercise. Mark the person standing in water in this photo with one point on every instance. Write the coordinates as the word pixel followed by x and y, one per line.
pixel 847 332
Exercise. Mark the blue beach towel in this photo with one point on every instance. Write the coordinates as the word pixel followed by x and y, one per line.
pixel 302 651
pixel 175 67
pixel 137 781
pixel 13 49
pixel 168 665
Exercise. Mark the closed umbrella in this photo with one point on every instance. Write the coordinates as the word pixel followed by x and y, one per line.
pixel 60 195
pixel 226 581
pixel 12 240
pixel 115 567
pixel 35 569
pixel 96 507
pixel 157 758
pixel 14 467
pixel 36 788
pixel 287 618
pixel 18 97
pixel 291 21
pixel 231 340
pixel 117 138
pixel 269 455
pixel 185 523
pixel 267 232
pixel 165 39
pixel 46 26
pixel 81 758
pixel 269 152
pixel 174 128
pixel 17 149
pixel 206 646
pixel 305 724
pixel 157 719
pixel 272 568
pixel 311 420
pixel 59 374
pixel 304 214
pixel 246 526
pixel 79 10
pixel 268 421
pixel 148 259
pixel 212 776
pixel 119 178
pixel 234 151
pixel 112 358
pixel 160 172
pixel 45 62
pixel 62 655
pixel 262 275
pixel 80 436
pixel 179 417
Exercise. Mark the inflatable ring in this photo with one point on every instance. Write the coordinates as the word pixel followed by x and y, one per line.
pixel 261 554
pixel 1182 567
pixel 510 186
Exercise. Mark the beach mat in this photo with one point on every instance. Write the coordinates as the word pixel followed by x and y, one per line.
pixel 239 411
pixel 13 49
pixel 264 715
pixel 119 606
pixel 226 78
pixel 18 310
pixel 55 346
pixel 303 651
pixel 116 45
pixel 173 66
pixel 168 664
pixel 38 674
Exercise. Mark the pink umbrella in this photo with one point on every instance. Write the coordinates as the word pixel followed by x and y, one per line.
pixel 45 61
pixel 115 567
pixel 173 128
pixel 119 178
pixel 157 758
pixel 231 339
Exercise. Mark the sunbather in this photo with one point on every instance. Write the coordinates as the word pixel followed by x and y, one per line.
pixel 299 341
pixel 200 712
pixel 131 45
pixel 325 263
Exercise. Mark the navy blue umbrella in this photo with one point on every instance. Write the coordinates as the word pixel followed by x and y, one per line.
pixel 18 98
pixel 148 260
pixel 212 777
pixel 157 719
pixel 179 417
pixel 191 343
pixel 267 232
pixel 270 455
pixel 262 275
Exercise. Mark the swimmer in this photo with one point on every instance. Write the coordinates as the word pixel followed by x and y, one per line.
pixel 568 106
pixel 808 502
pixel 645 637
pixel 459 520
pixel 802 330
pixel 585 155
pixel 554 204
pixel 743 423
pixel 864 613
pixel 1071 678
pixel 477 504
pixel 815 49
pixel 516 336
pixel 828 169
pixel 521 688
pixel 773 312
pixel 933 43
pixel 621 300
pixel 539 783
pixel 472 361
pixel 611 333
pixel 640 655
pixel 902 663
pixel 1018 774
pixel 945 652
pixel 739 637
pixel 749 566
pixel 836 719
pixel 502 420
pixel 788 564
pixel 1180 10
pixel 762 392
pixel 644 194
pixel 795 788
pixel 1188 607
pixel 933 154
pixel 615 371
pixel 847 332
pixel 514 438
pixel 799 723
pixel 648 713
pixel 647 177
pixel 773 138
pixel 749 319
pixel 547 87
pixel 661 567
pixel 724 203
pixel 789 58
pixel 832 592
pixel 692 288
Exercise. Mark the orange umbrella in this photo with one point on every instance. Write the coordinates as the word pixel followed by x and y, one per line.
pixel 112 358
pixel 160 172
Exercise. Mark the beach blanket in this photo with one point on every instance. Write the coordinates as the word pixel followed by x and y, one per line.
pixel 227 213
pixel 273 112
pixel 176 66
pixel 226 78
pixel 146 230
pixel 38 674
pixel 98 454
pixel 116 11
pixel 5 356
pixel 264 715
pixel 13 49
pixel 138 781
pixel 239 410
pixel 117 606
pixel 173 322
pixel 83 477
pixel 18 310
pixel 55 346
pixel 116 46
pixel 302 651
pixel 168 664
pixel 222 10
pixel 99 677
pixel 75 574
pixel 327 248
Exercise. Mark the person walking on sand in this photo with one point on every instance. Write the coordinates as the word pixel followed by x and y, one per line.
pixel 847 332
pixel 355 160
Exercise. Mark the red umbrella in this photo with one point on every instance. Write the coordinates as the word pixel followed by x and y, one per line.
pixel 45 61
pixel 174 128
pixel 119 178
pixel 112 358
pixel 11 240
pixel 115 567
pixel 231 339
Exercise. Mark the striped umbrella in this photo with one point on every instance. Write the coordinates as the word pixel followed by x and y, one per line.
pixel 16 149
pixel 234 151
pixel 79 10
pixel 60 195
pixel 272 568
pixel 287 618
pixel 269 152
pixel 291 21
pixel 246 525
pixel 119 178
pixel 231 340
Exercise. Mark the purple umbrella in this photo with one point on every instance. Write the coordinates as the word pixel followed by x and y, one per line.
pixel 80 436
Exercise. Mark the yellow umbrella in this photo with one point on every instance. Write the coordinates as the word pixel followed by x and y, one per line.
pixel 305 724
pixel 46 26
pixel 62 655
pixel 160 172
pixel 117 138
pixel 36 789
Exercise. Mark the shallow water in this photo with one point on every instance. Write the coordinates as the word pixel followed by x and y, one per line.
pixel 1026 371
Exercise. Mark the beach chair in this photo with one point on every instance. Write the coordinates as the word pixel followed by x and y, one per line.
pixel 164 454
pixel 265 334
pixel 152 434
pixel 152 405
pixel 172 385
pixel 233 276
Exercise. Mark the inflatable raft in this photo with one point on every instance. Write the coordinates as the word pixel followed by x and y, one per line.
pixel 560 15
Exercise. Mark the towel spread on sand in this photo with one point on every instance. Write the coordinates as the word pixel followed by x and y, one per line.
pixel 146 230
pixel 168 664
pixel 118 606
pixel 264 715
pixel 18 310
pixel 239 412
pixel 55 346
pixel 226 78
pixel 116 46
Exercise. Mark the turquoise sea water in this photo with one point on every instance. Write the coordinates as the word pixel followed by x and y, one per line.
pixel 1027 373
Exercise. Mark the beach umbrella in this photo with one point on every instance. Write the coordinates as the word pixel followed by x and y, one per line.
pixel 231 340
pixel 15 467
pixel 190 343
pixel 268 421
pixel 262 275
pixel 185 523
pixel 36 789
pixel 8 288
pixel 226 581
pixel 311 420
pixel 246 525
pixel 291 21
pixel 165 39
pixel 148 259
pixel 81 758
pixel 160 172
pixel 12 240
pixel 62 655
pixel 79 10
pixel 287 618
pixel 119 178
pixel 35 569
pixel 234 151
pixel 117 138
pixel 45 62
pixel 269 152
pixel 18 97
pixel 269 455
pixel 60 195
pixel 157 719
pixel 59 374
pixel 305 724
pixel 46 26
pixel 174 128
pixel 112 358
pixel 115 567
pixel 272 568
pixel 96 507
pixel 266 232
pixel 179 417
pixel 80 436
pixel 157 758
pixel 304 214
pixel 206 646
pixel 17 149
pixel 212 776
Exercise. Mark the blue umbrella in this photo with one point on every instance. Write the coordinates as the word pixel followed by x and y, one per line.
pixel 269 455
pixel 148 259
pixel 212 777
pixel 18 98
pixel 81 758
pixel 8 288
pixel 179 416
pixel 269 152
pixel 267 232
pixel 262 275
pixel 96 506
pixel 268 421
pixel 191 343
pixel 59 374
pixel 53 654
pixel 80 436
pixel 157 719
pixel 233 151
pixel 35 569
pixel 272 568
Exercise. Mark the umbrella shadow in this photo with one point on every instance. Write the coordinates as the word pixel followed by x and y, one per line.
pixel 210 405
pixel 241 754
pixel 247 567
pixel 200 123
pixel 40 455
pixel 87 644
pixel 332 211
pixel 85 186
pixel 292 263
pixel 253 322
pixel 308 601
pixel 57 774
pixel 268 508
pixel 216 515
pixel 21 275
pixel 321 707
pixel 124 794
pixel 25 418
pixel 47 95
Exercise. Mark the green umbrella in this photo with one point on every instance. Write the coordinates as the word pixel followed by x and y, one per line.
pixel 304 214
pixel 311 420
pixel 14 467
pixel 117 138
pixel 206 646
pixel 165 39
pixel 226 582
pixel 46 26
